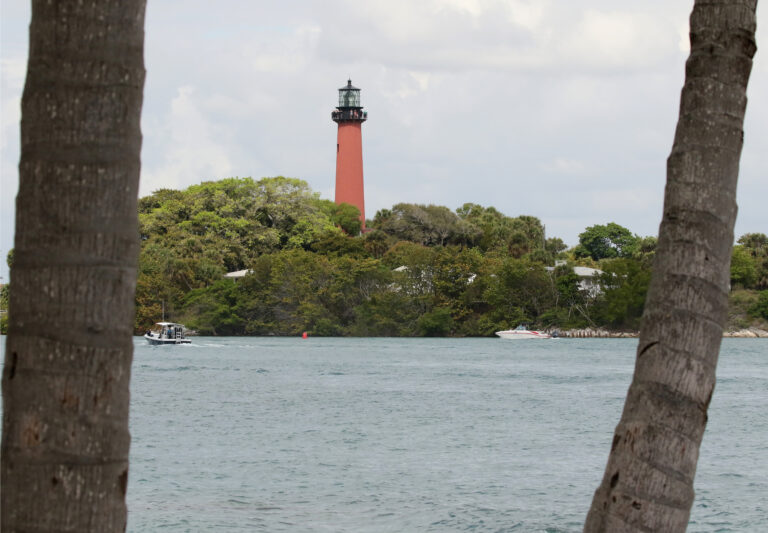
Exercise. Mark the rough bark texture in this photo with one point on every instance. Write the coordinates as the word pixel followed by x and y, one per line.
pixel 648 482
pixel 65 381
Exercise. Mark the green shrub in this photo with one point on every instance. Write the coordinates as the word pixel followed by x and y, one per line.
pixel 436 323
pixel 760 309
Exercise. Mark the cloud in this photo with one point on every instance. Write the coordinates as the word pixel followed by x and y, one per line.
pixel 461 35
pixel 564 166
pixel 684 44
pixel 283 52
pixel 12 73
pixel 610 39
pixel 191 147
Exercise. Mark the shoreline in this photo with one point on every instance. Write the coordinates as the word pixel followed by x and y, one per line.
pixel 586 333
pixel 598 333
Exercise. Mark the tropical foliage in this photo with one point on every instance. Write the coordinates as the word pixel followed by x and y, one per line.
pixel 418 270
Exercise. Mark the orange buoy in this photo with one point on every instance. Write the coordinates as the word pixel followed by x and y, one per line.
pixel 304 335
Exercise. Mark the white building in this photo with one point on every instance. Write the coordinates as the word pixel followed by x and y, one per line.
pixel 588 278
pixel 237 274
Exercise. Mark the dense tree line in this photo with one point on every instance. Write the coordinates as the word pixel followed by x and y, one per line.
pixel 420 270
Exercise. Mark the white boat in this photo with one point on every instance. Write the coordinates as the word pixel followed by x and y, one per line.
pixel 521 332
pixel 167 333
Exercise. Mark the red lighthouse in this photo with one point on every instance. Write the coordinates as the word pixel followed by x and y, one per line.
pixel 349 115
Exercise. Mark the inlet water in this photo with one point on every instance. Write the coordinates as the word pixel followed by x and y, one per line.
pixel 379 435
pixel 412 435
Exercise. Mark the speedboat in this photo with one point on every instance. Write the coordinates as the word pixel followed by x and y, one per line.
pixel 521 332
pixel 167 333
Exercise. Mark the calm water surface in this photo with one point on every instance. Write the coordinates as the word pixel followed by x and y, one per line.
pixel 412 435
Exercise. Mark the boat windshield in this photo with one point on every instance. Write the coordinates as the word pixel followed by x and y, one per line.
pixel 168 331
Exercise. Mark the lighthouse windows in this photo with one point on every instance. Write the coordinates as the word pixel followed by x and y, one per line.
pixel 349 98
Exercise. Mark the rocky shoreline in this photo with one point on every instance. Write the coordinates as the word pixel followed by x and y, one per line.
pixel 595 333
pixel 749 333
pixel 598 333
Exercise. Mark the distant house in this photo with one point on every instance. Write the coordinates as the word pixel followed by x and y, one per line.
pixel 237 274
pixel 588 278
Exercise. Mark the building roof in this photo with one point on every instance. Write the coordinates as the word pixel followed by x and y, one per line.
pixel 238 273
pixel 582 272
pixel 349 87
pixel 586 272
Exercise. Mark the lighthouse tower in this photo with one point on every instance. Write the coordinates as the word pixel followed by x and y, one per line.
pixel 349 115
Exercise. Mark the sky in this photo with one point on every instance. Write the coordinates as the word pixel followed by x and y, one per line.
pixel 558 109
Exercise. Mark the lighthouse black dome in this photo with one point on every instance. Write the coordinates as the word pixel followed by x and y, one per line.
pixel 349 86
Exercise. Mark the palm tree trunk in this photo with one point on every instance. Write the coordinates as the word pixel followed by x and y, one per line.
pixel 648 482
pixel 68 354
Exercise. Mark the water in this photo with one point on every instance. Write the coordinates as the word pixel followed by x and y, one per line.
pixel 413 435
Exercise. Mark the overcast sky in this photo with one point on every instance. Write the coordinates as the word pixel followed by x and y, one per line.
pixel 558 109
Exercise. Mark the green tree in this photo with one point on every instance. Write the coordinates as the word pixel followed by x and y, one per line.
pixel 215 310
pixel 526 235
pixel 255 302
pixel 757 244
pixel 492 224
pixel 760 309
pixel 191 238
pixel 377 243
pixel 65 383
pixel 4 299
pixel 454 272
pixel 572 305
pixel 389 313
pixel 607 241
pixel 436 323
pixel 413 272
pixel 743 268
pixel 335 243
pixel 518 292
pixel 298 283
pixel 515 236
pixel 428 225
pixel 353 282
pixel 554 246
pixel 646 247
pixel 344 215
pixel 624 283
pixel 289 205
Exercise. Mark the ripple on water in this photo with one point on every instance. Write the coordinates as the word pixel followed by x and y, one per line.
pixel 371 435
